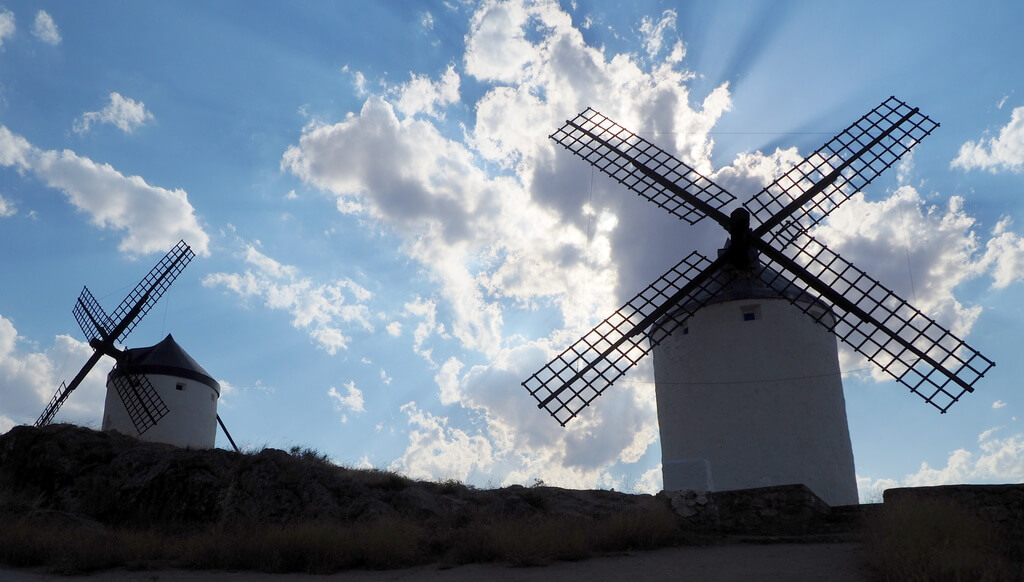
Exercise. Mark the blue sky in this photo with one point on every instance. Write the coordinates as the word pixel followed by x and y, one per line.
pixel 389 243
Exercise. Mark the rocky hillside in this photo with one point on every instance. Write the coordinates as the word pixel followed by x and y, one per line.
pixel 117 480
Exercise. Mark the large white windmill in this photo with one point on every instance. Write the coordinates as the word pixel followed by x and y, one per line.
pixel 747 376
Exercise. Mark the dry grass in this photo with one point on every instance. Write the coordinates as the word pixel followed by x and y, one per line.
pixel 70 547
pixel 922 540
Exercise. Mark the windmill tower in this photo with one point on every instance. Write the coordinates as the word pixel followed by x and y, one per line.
pixel 747 375
pixel 140 400
pixel 188 392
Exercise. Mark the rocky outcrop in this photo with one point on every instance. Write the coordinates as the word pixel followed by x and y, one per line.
pixel 784 510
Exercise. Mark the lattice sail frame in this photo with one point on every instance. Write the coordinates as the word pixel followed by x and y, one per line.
pixel 142 402
pixel 894 316
pixel 906 127
pixel 628 151
pixel 795 202
pixel 608 346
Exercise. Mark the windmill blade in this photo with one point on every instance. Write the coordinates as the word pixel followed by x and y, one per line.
pixel 141 400
pixel 65 390
pixel 55 403
pixel 571 381
pixel 841 167
pixel 138 303
pixel 95 322
pixel 896 336
pixel 641 166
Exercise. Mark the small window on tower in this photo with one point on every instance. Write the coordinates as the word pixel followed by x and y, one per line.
pixel 751 312
pixel 179 386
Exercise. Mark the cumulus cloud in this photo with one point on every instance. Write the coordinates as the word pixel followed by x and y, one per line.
pixel 508 225
pixel 996 460
pixel 153 218
pixel 7 27
pixel 45 29
pixel 998 404
pixel 323 310
pixel 438 450
pixel 29 378
pixel 351 401
pixel 1003 152
pixel 122 112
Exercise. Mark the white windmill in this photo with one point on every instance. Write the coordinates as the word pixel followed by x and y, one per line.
pixel 158 393
pixel 188 392
pixel 746 368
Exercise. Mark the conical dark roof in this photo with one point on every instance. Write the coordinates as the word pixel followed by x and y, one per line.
pixel 167 358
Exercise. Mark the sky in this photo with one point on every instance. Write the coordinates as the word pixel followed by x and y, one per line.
pixel 388 243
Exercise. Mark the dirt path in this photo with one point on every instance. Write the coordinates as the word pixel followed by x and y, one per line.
pixel 835 562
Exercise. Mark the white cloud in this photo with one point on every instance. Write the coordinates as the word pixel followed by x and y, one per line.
pixel 427 21
pixel 394 328
pixel 998 404
pixel 437 450
pixel 997 460
pixel 654 32
pixel 6 208
pixel 122 112
pixel 421 95
pixel 322 309
pixel 6 26
pixel 153 218
pixel 45 29
pixel 1005 152
pixel 29 379
pixel 351 401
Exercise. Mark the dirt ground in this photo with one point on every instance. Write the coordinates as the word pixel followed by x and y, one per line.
pixel 832 562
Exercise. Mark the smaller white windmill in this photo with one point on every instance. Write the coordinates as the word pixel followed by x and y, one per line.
pixel 146 383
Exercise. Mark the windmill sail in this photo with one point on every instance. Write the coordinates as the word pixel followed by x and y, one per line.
pixel 577 376
pixel 103 331
pixel 882 326
pixel 861 152
pixel 641 166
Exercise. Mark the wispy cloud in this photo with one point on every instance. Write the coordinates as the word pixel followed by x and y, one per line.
pixel 7 27
pixel 152 218
pixel 323 310
pixel 122 112
pixel 6 207
pixel 45 29
pixel 351 401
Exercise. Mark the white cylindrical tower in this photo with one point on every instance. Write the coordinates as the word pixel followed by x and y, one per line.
pixel 750 394
pixel 188 391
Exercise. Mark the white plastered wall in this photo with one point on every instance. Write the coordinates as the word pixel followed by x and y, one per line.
pixel 191 422
pixel 749 395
